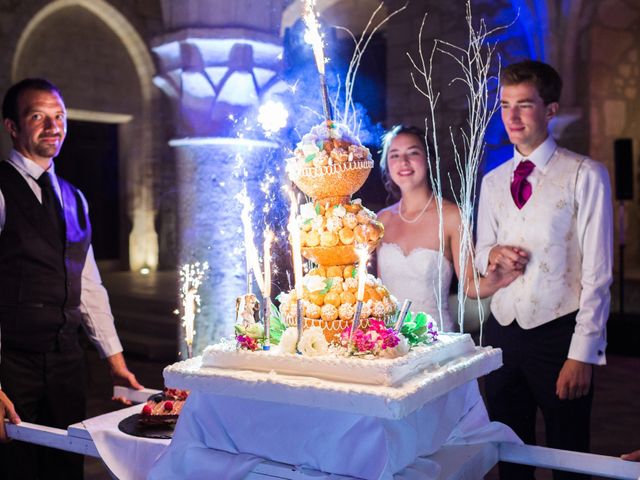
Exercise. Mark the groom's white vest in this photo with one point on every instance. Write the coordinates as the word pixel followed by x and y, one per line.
pixel 546 228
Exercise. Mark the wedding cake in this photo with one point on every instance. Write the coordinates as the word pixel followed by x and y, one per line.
pixel 306 386
pixel 320 358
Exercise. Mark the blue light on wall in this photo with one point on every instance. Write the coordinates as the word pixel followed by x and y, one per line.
pixel 524 39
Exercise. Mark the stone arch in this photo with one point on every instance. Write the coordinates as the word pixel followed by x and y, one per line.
pixel 137 136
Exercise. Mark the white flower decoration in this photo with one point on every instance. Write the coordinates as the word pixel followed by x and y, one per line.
pixel 314 283
pixel 313 343
pixel 339 211
pixel 399 350
pixel 288 340
pixel 308 211
pixel 309 149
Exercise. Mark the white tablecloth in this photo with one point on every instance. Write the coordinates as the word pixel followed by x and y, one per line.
pixel 226 437
pixel 128 457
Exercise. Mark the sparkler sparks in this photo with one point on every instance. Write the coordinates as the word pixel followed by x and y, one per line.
pixel 312 35
pixel 253 262
pixel 191 276
pixel 272 116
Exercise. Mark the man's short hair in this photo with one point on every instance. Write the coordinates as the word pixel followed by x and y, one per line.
pixel 10 102
pixel 541 75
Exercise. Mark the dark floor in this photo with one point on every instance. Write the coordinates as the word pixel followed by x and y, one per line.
pixel 616 408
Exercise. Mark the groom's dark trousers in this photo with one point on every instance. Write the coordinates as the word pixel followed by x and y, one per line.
pixel 532 360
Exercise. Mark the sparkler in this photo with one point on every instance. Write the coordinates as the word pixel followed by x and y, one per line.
pixel 363 257
pixel 403 313
pixel 191 276
pixel 253 262
pixel 313 37
pixel 266 294
pixel 294 231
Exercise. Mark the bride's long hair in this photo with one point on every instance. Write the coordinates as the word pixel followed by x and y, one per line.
pixel 390 186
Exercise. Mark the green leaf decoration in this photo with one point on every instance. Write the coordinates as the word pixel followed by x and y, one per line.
pixel 421 319
pixel 354 272
pixel 317 208
pixel 320 145
pixel 415 328
pixel 277 325
pixel 310 158
pixel 327 286
pixel 410 326
pixel 307 221
pixel 419 331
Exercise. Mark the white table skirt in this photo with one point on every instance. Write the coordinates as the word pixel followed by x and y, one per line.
pixel 226 437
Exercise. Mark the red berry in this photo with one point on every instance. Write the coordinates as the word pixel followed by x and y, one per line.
pixel 168 406
pixel 146 410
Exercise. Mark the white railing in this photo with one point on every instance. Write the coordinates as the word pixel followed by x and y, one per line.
pixel 458 462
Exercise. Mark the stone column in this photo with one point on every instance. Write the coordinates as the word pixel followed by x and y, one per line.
pixel 220 61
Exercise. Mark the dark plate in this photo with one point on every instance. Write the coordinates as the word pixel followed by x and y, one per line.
pixel 132 426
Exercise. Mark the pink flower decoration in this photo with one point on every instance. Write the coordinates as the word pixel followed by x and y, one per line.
pixel 375 338
pixel 247 342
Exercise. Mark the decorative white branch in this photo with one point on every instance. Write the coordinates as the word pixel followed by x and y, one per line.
pixel 475 61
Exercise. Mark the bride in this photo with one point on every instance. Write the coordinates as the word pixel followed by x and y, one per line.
pixel 409 253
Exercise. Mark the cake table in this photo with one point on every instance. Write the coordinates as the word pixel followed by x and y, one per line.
pixel 353 430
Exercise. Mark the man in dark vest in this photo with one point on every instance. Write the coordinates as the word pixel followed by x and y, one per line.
pixel 49 287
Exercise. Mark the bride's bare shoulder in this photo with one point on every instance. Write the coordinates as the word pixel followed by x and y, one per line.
pixel 386 213
pixel 451 212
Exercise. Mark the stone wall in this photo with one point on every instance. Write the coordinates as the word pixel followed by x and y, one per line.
pixel 614 103
pixel 98 54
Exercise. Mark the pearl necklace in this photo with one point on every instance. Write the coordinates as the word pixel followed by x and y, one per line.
pixel 417 217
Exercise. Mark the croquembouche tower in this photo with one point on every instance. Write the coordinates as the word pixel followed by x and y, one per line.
pixel 336 232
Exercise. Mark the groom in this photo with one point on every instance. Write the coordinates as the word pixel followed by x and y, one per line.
pixel 555 206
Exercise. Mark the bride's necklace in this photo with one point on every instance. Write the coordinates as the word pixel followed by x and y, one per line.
pixel 417 217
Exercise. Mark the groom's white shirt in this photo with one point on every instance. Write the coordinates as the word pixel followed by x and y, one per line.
pixel 566 227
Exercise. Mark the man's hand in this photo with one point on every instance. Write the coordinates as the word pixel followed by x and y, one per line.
pixel 508 258
pixel 122 376
pixel 632 457
pixel 6 411
pixel 574 380
pixel 500 277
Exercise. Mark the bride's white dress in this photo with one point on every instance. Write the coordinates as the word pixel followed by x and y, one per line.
pixel 415 276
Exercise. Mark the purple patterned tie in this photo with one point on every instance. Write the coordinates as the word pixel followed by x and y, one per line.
pixel 520 187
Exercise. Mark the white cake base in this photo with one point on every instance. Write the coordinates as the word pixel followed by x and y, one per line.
pixel 362 370
pixel 371 400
